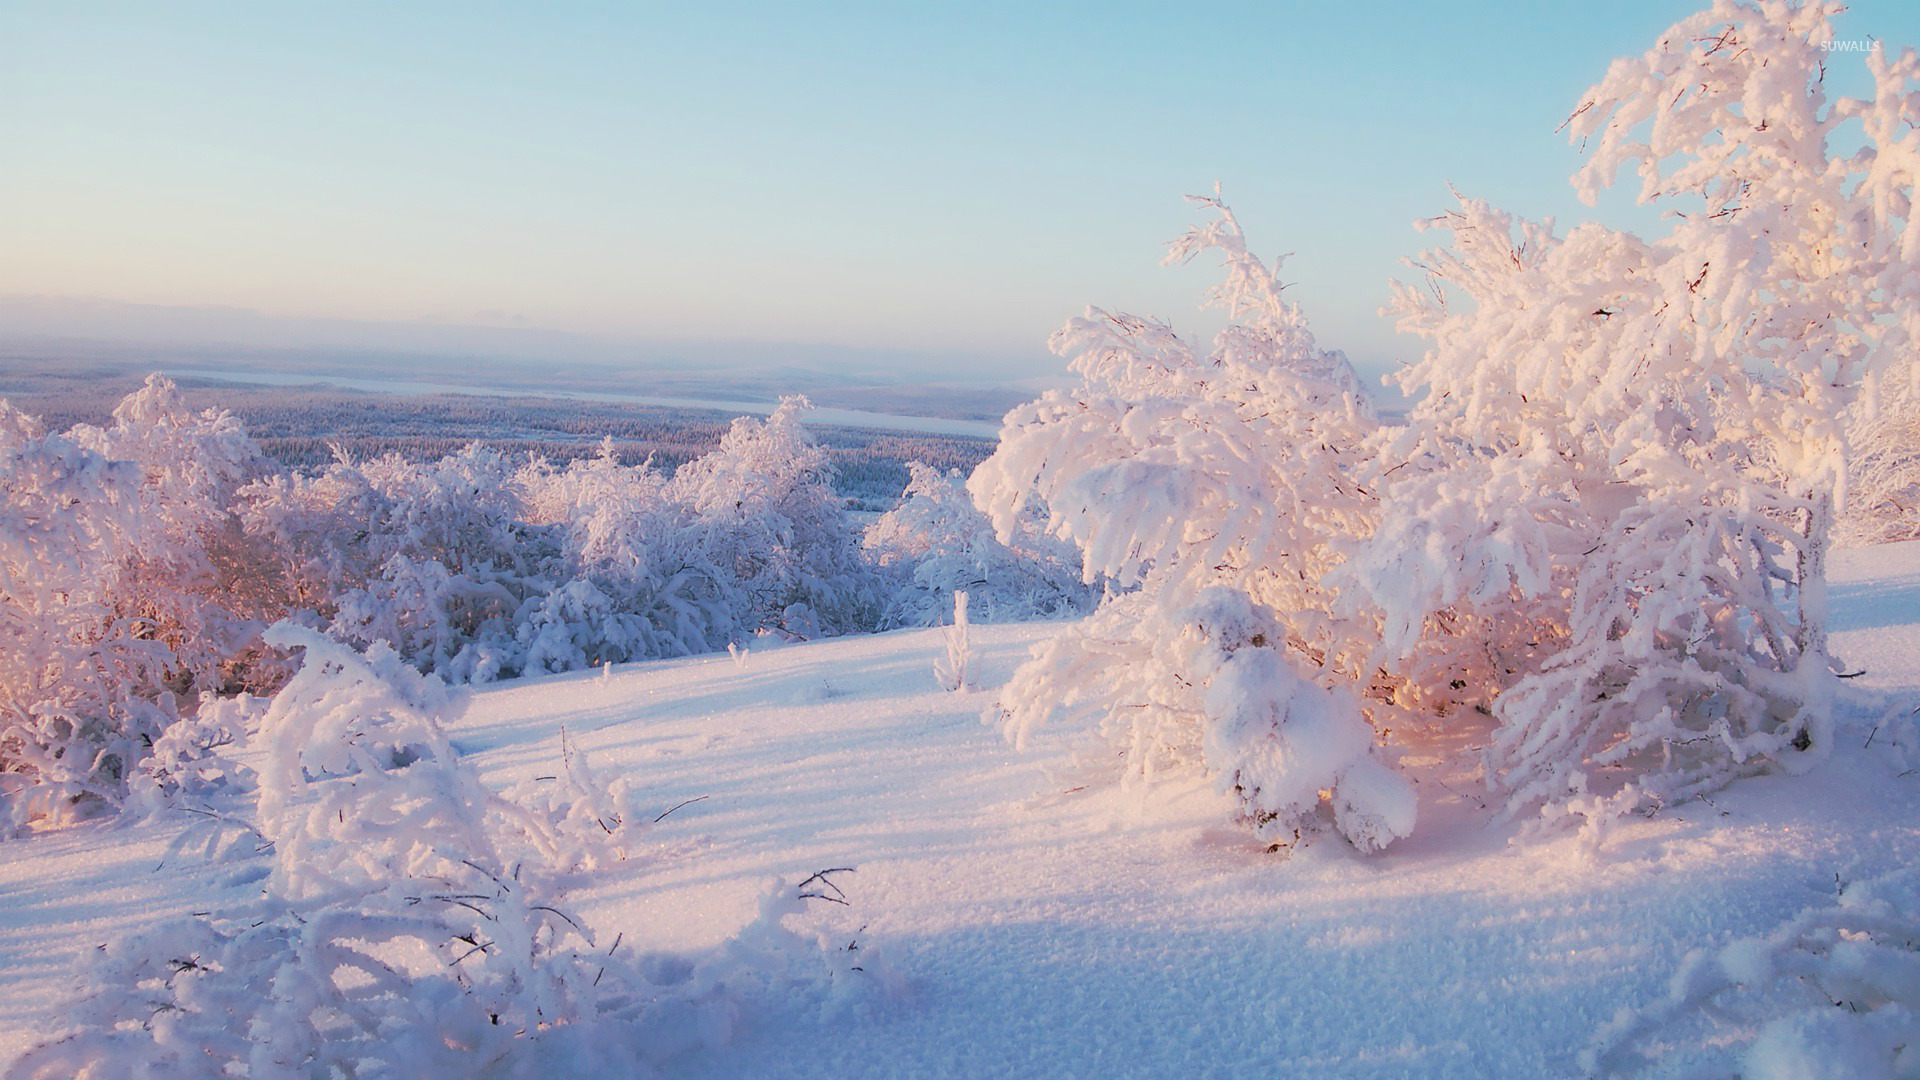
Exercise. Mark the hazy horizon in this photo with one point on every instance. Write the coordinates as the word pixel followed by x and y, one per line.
pixel 97 328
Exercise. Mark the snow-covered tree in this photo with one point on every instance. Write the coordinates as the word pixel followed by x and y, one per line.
pixel 80 684
pixel 777 528
pixel 639 580
pixel 1217 493
pixel 1883 471
pixel 938 543
pixel 127 589
pixel 196 579
pixel 456 560
pixel 1610 511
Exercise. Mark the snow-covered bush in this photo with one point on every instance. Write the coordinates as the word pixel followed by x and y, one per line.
pixel 938 543
pixel 195 579
pixel 639 580
pixel 776 527
pixel 1611 508
pixel 140 562
pixel 192 759
pixel 1606 522
pixel 1833 992
pixel 81 685
pixel 1280 743
pixel 1883 474
pixel 410 927
pixel 413 923
pixel 127 587
pixel 476 570
pixel 590 814
pixel 1208 686
pixel 454 560
pixel 1221 490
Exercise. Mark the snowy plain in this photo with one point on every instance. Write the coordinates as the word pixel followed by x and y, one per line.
pixel 1020 914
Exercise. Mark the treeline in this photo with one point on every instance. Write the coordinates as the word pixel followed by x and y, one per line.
pixel 144 559
pixel 304 427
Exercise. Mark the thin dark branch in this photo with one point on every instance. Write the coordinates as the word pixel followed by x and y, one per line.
pixel 825 882
pixel 489 873
pixel 563 915
pixel 677 806
pixel 482 912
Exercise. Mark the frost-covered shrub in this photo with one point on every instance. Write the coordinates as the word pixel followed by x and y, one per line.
pixel 1281 744
pixel 1620 479
pixel 320 530
pixel 81 685
pixel 1230 483
pixel 1208 686
pixel 476 570
pixel 776 528
pixel 639 578
pixel 1606 522
pixel 195 579
pixel 454 561
pixel 410 926
pixel 140 561
pixel 413 923
pixel 1833 992
pixel 1883 473
pixel 1590 531
pixel 937 543
pixel 192 762
pixel 126 589
pixel 590 815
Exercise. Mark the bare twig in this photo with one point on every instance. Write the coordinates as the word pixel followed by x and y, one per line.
pixel 617 939
pixel 489 873
pixel 476 909
pixel 677 806
pixel 821 878
pixel 563 915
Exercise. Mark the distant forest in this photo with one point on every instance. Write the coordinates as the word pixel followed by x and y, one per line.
pixel 301 427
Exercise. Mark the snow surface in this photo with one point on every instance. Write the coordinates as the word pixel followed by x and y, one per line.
pixel 1022 915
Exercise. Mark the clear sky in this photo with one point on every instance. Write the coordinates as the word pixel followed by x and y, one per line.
pixel 945 178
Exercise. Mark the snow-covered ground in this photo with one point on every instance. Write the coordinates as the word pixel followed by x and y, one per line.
pixel 1021 916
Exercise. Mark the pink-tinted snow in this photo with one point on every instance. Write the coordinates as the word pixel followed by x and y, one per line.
pixel 1022 916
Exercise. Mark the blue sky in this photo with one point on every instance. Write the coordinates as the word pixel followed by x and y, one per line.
pixel 947 179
